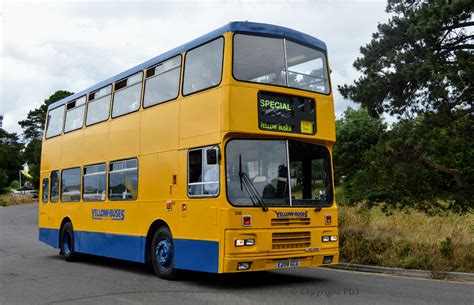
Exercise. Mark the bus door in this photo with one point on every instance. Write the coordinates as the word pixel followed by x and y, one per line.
pixel 121 219
pixel 93 210
pixel 197 247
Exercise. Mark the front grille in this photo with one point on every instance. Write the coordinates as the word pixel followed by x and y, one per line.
pixel 288 222
pixel 291 240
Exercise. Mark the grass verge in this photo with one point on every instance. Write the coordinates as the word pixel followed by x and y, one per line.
pixel 9 199
pixel 407 239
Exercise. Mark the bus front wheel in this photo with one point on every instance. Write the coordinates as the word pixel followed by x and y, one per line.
pixel 67 242
pixel 163 254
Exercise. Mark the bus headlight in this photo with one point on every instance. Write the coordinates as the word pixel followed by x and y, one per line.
pixel 250 242
pixel 327 238
pixel 244 242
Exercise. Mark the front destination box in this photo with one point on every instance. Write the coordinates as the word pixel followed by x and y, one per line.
pixel 286 113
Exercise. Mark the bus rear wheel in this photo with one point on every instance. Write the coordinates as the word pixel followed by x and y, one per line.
pixel 163 254
pixel 67 242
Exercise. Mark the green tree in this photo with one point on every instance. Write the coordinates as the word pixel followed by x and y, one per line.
pixel 356 133
pixel 419 67
pixel 33 128
pixel 33 125
pixel 10 157
pixel 395 175
pixel 421 61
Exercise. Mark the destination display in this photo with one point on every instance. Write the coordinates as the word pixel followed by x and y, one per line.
pixel 286 113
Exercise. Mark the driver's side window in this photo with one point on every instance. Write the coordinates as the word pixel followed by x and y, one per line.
pixel 203 172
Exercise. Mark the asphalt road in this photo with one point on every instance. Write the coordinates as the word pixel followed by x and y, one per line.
pixel 33 273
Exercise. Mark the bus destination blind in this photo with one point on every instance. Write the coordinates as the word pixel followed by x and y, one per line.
pixel 286 113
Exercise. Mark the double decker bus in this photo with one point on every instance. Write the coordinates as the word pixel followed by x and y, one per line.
pixel 214 157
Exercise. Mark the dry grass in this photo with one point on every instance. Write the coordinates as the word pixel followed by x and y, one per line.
pixel 407 239
pixel 9 199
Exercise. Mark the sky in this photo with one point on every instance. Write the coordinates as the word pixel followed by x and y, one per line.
pixel 71 45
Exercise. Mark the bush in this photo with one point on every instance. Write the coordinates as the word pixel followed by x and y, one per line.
pixel 9 199
pixel 15 184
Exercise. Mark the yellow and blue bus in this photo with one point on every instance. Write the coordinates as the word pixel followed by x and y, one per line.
pixel 214 157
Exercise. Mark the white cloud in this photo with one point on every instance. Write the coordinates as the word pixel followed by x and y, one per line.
pixel 70 45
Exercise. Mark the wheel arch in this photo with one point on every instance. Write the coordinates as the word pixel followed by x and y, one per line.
pixel 149 236
pixel 63 222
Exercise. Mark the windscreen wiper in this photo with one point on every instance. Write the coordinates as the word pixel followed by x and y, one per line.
pixel 249 187
pixel 321 202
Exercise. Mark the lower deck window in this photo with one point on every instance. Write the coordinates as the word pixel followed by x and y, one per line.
pixel 44 196
pixel 94 183
pixel 54 186
pixel 123 180
pixel 71 185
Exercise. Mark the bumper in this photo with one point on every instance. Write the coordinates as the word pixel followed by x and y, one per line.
pixel 260 263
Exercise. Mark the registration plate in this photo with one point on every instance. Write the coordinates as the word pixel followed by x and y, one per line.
pixel 288 264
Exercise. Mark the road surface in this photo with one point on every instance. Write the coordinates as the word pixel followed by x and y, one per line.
pixel 33 273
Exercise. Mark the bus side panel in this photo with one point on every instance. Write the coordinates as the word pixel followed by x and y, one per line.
pixel 72 149
pixel 124 137
pixel 200 118
pixel 96 140
pixel 159 128
pixel 326 125
pixel 51 154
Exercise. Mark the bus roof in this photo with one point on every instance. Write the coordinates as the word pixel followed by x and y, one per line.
pixel 236 27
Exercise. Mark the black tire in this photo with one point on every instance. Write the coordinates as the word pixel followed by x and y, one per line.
pixel 162 246
pixel 67 243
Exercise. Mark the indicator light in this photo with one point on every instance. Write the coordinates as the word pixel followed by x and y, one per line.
pixel 246 220
pixel 239 242
pixel 328 219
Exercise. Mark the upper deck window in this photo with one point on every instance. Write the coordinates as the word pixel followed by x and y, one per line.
pixel 162 82
pixel 55 122
pixel 127 95
pixel 281 62
pixel 75 114
pixel 203 67
pixel 98 107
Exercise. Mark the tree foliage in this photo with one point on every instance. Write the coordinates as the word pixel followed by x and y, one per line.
pixel 33 125
pixel 10 161
pixel 33 128
pixel 356 133
pixel 387 168
pixel 419 67
pixel 420 61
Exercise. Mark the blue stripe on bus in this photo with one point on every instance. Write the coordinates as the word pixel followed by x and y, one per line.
pixel 49 237
pixel 197 255
pixel 126 247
